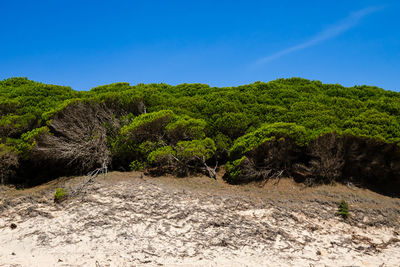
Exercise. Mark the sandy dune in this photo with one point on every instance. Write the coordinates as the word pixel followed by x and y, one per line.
pixel 125 220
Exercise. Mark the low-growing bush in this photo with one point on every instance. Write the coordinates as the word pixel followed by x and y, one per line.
pixel 136 165
pixel 233 169
pixel 343 209
pixel 185 156
pixel 60 195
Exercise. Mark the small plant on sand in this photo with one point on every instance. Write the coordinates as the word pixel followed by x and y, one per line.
pixel 343 209
pixel 60 195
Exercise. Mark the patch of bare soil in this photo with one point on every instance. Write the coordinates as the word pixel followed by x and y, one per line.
pixel 128 219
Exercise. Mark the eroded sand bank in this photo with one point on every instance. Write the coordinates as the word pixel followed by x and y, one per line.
pixel 125 220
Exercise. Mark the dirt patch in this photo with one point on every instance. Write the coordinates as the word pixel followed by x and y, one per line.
pixel 127 219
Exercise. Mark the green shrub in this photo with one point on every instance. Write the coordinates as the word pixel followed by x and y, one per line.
pixel 222 143
pixel 233 124
pixel 123 150
pixel 136 165
pixel 60 195
pixel 343 209
pixel 233 170
pixel 163 155
pixel 266 133
pixel 147 126
pixel 185 156
pixel 148 146
pixel 186 128
pixel 265 122
pixel 192 150
pixel 28 140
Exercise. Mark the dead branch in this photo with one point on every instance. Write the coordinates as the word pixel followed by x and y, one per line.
pixel 90 177
pixel 211 172
pixel 271 174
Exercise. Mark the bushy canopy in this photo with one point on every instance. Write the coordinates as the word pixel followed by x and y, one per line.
pixel 146 123
pixel 267 133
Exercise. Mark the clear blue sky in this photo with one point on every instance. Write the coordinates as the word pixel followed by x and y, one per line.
pixel 84 44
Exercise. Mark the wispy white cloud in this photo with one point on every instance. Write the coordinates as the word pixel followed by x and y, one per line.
pixel 329 33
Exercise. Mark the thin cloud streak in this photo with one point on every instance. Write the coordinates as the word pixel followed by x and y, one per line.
pixel 329 33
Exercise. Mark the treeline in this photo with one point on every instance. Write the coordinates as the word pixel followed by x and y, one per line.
pixel 314 132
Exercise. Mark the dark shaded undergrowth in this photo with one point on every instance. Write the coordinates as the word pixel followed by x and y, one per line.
pixel 327 159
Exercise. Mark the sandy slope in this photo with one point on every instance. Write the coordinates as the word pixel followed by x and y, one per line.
pixel 125 220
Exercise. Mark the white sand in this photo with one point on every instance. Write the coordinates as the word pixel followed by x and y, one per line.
pixel 135 223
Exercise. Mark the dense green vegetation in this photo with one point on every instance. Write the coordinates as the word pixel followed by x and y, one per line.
pixel 312 131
